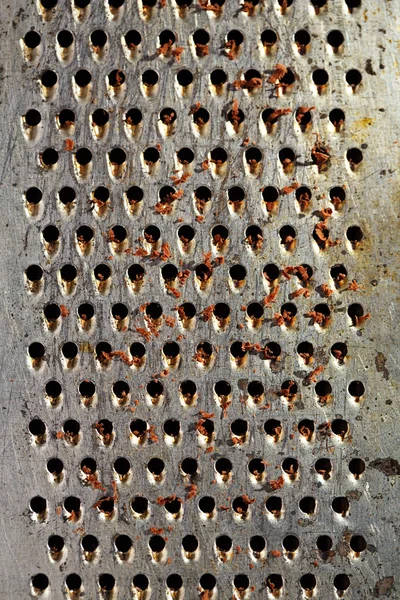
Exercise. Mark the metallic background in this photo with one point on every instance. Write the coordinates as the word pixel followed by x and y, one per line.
pixel 371 46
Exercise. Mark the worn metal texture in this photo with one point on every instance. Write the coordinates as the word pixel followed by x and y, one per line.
pixel 371 190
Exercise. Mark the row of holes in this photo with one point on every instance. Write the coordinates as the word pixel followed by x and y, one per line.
pixel 99 119
pixel 184 78
pixel 173 505
pixel 204 355
pixel 117 159
pixel 189 466
pixel 174 583
pixel 133 39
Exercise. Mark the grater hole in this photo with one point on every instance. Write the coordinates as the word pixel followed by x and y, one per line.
pixel 188 390
pixel 338 274
pixel 116 78
pixel 256 467
pixel 55 544
pixel 208 582
pixel 86 312
pixel 291 467
pixel 53 389
pixel 37 428
pixel 223 466
pixel 306 428
pixel 100 117
pixel 102 272
pixel 190 543
pixel 189 466
pixel 354 157
pixel 140 505
pixel 65 38
pixel 291 543
pixel 254 237
pixel 122 466
pixel 207 505
pixel 48 4
pixel 358 544
pixel 308 505
pixel 81 3
pixel 55 467
pixel 152 234
pixel 156 543
pixel 320 78
pixel 40 583
pixel 323 467
pixel 351 4
pixel 73 582
pixel 318 3
pixel 288 237
pixel 356 467
pixel 341 505
pixel 275 581
pixel 71 429
pixel 306 352
pixel 201 37
pixel 136 272
pixel 184 77
pixel 324 543
pixel 141 582
pixel 268 38
pixel 72 506
pixel 355 312
pixel 156 466
pixel 341 583
pixel 337 197
pixel 273 428
pixel 340 427
pixel 38 505
pixel 49 79
pixel 239 428
pixel 98 38
pixel 353 78
pixel 172 428
pixel 106 582
pixel 355 235
pixel 339 351
pixel 84 234
pixel 83 156
pixel 272 351
pixel 302 40
pixel 49 157
pixel 150 78
pixel 274 505
pixel 218 156
pixel 52 312
pixel 356 389
pixel 36 351
pixel 257 543
pixel 337 118
pixel 133 38
pixel 69 350
pixel 32 39
pixel 169 273
pixel 51 234
pixel 82 78
pixel 33 196
pixel 335 39
pixel 223 543
pixel 218 77
pixel 67 195
pixel 32 118
pixel 174 582
pixel 308 582
pixel 89 543
pixel 88 466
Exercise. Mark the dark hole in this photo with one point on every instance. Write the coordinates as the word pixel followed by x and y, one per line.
pixel 269 37
pixel 151 155
pixel 338 273
pixel 37 427
pixel 320 77
pixel 306 349
pixel 356 466
pixel 166 37
pixel 141 582
pixel 208 581
pixel 272 427
pixel 55 543
pixel 106 582
pixel 302 37
pixel 173 506
pixel 290 386
pixel 154 310
pixel 323 388
pixel 286 232
pixel 172 427
pixel 118 233
pixel 203 272
pixel 104 427
pixel 134 194
pixel 155 388
pixel 221 310
pixel 288 78
pixel 353 78
pixel 184 3
pixel 88 465
pixel 190 543
pixel 335 38
pixel 257 543
pixel 165 192
pixel 286 156
pixel 85 234
pixel 290 543
pixel 152 234
pixel 155 466
pixel 341 582
pixel 270 193
pixel 272 350
pixel 356 389
pixel 337 192
pixel 117 156
pixel 52 312
pixel 186 233
pixel 102 272
pixel 253 155
pixel 188 388
pixel 255 310
pixel 289 309
pixel 306 427
pixel 82 78
pixel 223 543
pixel 116 3
pixel 222 388
pixel 65 38
pixel 123 543
pixel 206 504
pixel 237 350
pixel 275 581
pixel 168 116
pixel 218 77
pixel 354 234
pixel 358 543
pixel 68 273
pixel 106 505
pixel 235 36
pixel 136 272
pixel 208 426
pixel 290 465
pixel 185 156
pixel 236 194
pixel 149 3
pixel 203 193
pixel 323 309
pixel 98 37
pixel 73 582
pixel 53 389
pixel 122 466
pixel 355 311
pixel 33 117
pixel 40 581
pixel 171 349
pixel 223 466
pixel 133 38
pixel 337 117
pixel 308 581
pixel 324 543
pixel 340 505
pixel 340 427
pixel 218 155
pixel 149 77
pixel 86 312
pixel 354 156
pixel 201 116
pixel 156 543
pixel 38 505
pixel 189 466
pixel 137 426
pixel 254 235
pixel 33 195
pixel 83 156
pixel 89 543
pixel 49 157
pixel 51 234
pixel 307 505
pixel 32 39
pixel 100 117
pixel 72 504
pixel 169 272
pixel 133 116
pixel 49 79
pixel 318 3
pixel 239 427
pixel 67 195
pixel 116 78
pixel 256 466
pixel 339 351
pixel 102 348
pixel 238 273
pixel 71 427
pixel 271 272
pixel 174 581
pixel 48 4
pixel 353 3
pixel 140 504
pixel 36 350
pixel 323 466
pixel 201 36
pixel 137 350
pixel 81 3
pixel 252 74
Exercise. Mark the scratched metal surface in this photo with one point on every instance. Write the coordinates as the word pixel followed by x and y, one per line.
pixel 370 43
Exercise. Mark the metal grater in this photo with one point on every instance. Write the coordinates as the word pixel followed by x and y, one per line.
pixel 199 372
